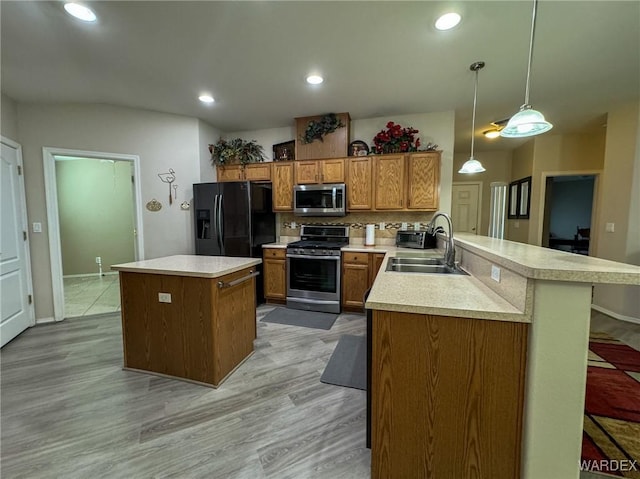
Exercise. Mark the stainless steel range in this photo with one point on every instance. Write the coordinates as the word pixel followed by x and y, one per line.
pixel 313 268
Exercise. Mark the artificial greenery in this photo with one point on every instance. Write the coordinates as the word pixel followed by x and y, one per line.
pixel 226 152
pixel 316 129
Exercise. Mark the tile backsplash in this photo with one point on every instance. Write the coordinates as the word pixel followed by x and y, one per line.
pixel 357 221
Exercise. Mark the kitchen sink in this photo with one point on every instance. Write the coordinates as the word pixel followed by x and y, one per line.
pixel 419 261
pixel 423 268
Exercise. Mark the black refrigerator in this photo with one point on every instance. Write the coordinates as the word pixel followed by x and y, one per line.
pixel 234 219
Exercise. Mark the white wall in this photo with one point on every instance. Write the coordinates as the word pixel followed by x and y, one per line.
pixel 8 119
pixel 162 141
pixel 207 135
pixel 433 127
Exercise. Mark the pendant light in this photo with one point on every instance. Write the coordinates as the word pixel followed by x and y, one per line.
pixel 472 165
pixel 527 122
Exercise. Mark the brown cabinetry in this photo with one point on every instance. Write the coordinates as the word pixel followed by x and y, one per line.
pixel 389 183
pixel 250 172
pixel 424 181
pixel 447 396
pixel 359 184
pixel 359 271
pixel 282 179
pixel 322 171
pixel 333 145
pixel 275 274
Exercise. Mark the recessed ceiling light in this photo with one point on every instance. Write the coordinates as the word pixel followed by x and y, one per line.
pixel 80 12
pixel 448 21
pixel 314 79
pixel 206 98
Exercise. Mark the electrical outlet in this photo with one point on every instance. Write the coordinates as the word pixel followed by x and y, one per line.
pixel 293 225
pixel 610 227
pixel 404 226
pixel 98 260
pixel 37 227
pixel 381 226
pixel 495 273
pixel 416 226
pixel 164 297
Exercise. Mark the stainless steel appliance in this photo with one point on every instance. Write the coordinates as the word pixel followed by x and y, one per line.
pixel 313 268
pixel 320 200
pixel 416 239
pixel 234 219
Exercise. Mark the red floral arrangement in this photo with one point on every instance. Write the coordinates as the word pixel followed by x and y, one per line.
pixel 396 139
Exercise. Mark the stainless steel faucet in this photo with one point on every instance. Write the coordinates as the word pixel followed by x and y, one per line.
pixel 450 249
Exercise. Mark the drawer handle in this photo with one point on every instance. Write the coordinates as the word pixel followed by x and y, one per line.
pixel 252 274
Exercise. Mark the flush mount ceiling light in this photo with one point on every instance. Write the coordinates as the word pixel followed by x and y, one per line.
pixel 80 12
pixel 527 122
pixel 206 98
pixel 472 165
pixel 314 79
pixel 448 21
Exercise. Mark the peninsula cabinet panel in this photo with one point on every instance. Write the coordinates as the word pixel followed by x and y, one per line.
pixel 447 397
pixel 359 182
pixel 389 187
pixel 282 179
pixel 424 181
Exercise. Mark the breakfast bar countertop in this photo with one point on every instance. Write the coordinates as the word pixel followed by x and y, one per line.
pixel 189 265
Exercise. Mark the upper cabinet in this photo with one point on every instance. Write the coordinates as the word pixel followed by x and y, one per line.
pixel 389 183
pixel 359 183
pixel 319 171
pixel 424 181
pixel 249 172
pixel 282 179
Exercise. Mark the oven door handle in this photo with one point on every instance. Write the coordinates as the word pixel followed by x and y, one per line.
pixel 304 256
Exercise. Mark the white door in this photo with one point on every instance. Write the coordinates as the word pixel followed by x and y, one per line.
pixel 465 207
pixel 16 312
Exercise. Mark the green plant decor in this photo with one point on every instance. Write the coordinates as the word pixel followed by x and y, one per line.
pixel 227 152
pixel 316 129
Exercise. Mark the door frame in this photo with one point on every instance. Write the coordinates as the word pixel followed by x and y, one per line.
pixel 25 226
pixel 480 186
pixel 595 212
pixel 53 219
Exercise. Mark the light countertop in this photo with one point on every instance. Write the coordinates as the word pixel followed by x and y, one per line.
pixel 548 264
pixel 189 265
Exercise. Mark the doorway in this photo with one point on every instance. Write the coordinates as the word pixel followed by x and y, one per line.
pixel 568 212
pixel 466 206
pixel 93 209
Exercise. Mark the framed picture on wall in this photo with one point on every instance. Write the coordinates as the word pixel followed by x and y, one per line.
pixel 519 199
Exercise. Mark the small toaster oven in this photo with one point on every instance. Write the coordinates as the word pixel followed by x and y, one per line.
pixel 416 239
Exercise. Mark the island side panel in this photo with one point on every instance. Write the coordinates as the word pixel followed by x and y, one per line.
pixel 234 320
pixel 169 338
pixel 448 396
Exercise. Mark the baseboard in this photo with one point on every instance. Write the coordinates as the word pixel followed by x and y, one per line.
pixel 614 315
pixel 88 275
pixel 49 319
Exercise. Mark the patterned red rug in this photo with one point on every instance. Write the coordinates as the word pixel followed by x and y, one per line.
pixel 611 437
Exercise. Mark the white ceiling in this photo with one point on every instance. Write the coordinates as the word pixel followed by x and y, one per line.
pixel 378 59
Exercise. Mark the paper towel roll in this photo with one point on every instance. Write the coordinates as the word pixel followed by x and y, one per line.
pixel 370 235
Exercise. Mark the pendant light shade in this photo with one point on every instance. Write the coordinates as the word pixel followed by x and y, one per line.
pixel 472 165
pixel 527 122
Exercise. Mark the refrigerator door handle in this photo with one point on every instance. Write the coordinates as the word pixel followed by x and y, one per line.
pixel 215 217
pixel 220 224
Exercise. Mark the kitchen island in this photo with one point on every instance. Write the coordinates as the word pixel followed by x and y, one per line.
pixel 188 317
pixel 484 375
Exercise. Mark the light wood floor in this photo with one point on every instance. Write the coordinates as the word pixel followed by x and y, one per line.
pixel 68 410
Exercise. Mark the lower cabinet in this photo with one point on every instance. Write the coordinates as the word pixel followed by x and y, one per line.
pixel 359 270
pixel 275 274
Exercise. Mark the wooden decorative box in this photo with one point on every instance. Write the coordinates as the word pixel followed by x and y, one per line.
pixel 334 145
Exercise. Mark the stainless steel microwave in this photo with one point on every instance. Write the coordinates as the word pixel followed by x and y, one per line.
pixel 320 200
